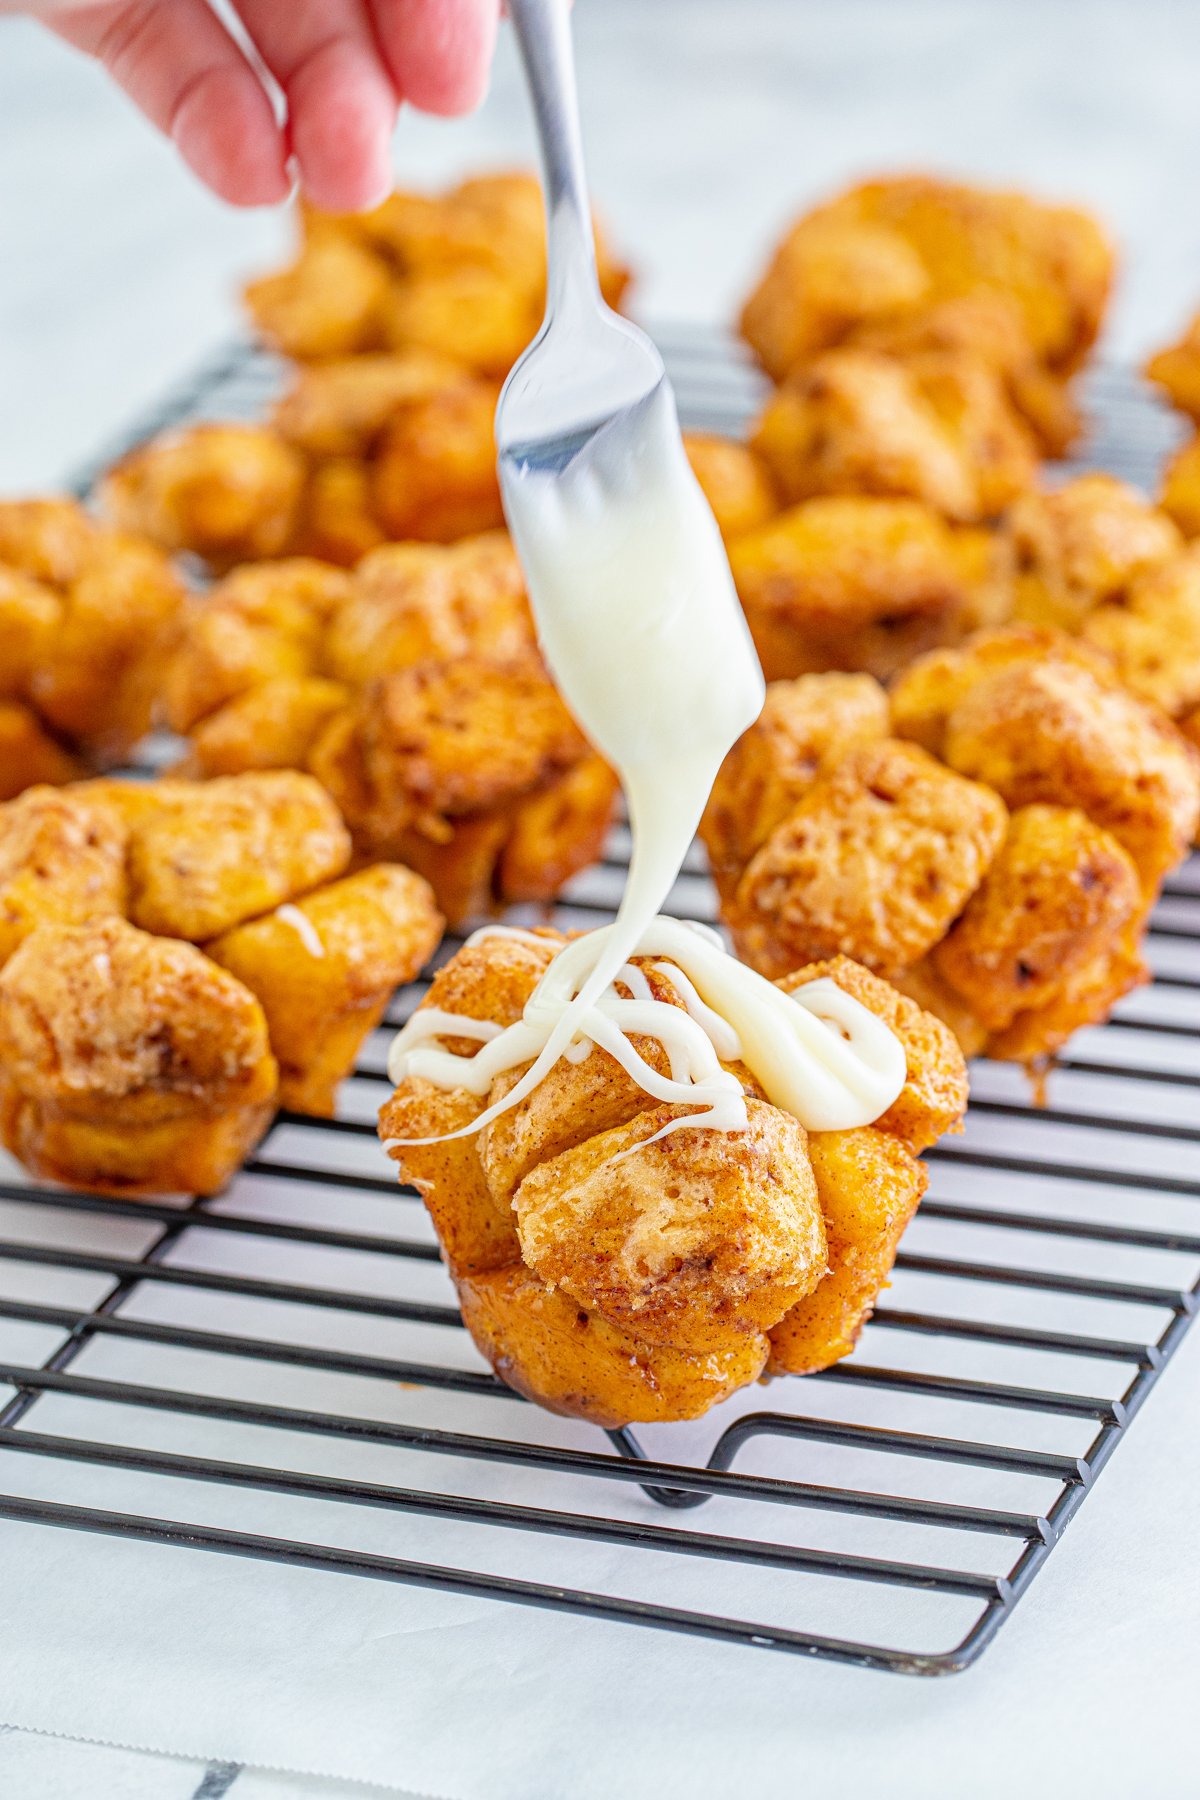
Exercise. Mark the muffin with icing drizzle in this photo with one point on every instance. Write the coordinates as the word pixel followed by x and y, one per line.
pixel 634 1242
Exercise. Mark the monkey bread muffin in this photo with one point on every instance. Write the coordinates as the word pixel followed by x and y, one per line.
pixel 618 1274
pixel 414 691
pixel 177 960
pixel 462 272
pixel 990 836
pixel 86 617
pixel 910 265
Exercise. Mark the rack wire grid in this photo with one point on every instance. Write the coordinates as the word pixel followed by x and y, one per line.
pixel 290 1352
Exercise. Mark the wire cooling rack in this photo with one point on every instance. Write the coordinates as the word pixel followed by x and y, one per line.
pixel 289 1353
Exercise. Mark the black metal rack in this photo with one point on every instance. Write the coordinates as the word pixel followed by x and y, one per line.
pixel 888 1513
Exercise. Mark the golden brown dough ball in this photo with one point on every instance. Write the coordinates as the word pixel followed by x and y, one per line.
pixel 927 692
pixel 923 984
pixel 986 325
pixel 972 405
pixel 435 478
pixel 29 756
pixel 324 968
pixel 1055 732
pixel 416 602
pixel 828 277
pixel 263 622
pixel 128 1063
pixel 850 582
pixel 1082 544
pixel 479 317
pixel 61 862
pixel 30 616
pixel 50 541
pixel 338 522
pixel 328 303
pixel 208 856
pixel 130 803
pixel 576 1103
pixel 1180 496
pixel 555 832
pixel 1153 634
pixel 1058 895
pixel 473 773
pixel 875 862
pixel 231 493
pixel 461 737
pixel 897 248
pixel 295 584
pixel 869 1187
pixel 501 216
pixel 691 1239
pixel 934 1096
pixel 805 727
pixel 98 683
pixel 1085 997
pixel 340 408
pixel 547 1347
pixel 1013 929
pixel 476 1233
pixel 1176 369
pixel 857 422
pixel 272 726
pixel 984 559
pixel 734 480
pixel 86 616
pixel 1054 262
pixel 494 222
pixel 491 222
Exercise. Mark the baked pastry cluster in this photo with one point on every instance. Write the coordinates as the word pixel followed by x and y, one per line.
pixel 357 452
pixel 1176 370
pixel 850 581
pixel 414 691
pixel 968 290
pixel 179 959
pixel 924 335
pixel 402 323
pixel 462 272
pixel 622 1280
pixel 1096 558
pixel 990 835
pixel 85 619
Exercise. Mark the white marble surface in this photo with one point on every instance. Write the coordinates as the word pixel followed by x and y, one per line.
pixel 708 122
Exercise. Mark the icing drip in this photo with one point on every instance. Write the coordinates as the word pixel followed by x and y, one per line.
pixel 304 928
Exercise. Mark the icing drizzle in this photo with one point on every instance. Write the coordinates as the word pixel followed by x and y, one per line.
pixel 816 1053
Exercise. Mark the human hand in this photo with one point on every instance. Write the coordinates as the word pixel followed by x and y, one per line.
pixel 342 66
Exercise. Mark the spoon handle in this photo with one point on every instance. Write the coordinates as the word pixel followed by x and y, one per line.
pixel 543 29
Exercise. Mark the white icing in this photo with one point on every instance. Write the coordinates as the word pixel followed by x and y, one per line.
pixel 817 1053
pixel 642 630
pixel 515 933
pixel 641 627
pixel 304 928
